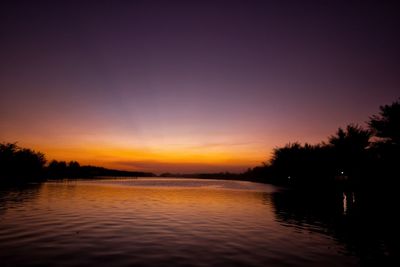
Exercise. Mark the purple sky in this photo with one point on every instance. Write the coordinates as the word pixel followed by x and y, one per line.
pixel 191 85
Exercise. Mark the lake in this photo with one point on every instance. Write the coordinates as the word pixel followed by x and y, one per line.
pixel 174 222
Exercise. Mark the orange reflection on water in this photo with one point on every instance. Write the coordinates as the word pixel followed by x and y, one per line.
pixel 156 222
pixel 188 205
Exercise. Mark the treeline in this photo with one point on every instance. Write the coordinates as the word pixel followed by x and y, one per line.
pixel 352 158
pixel 61 169
pixel 21 165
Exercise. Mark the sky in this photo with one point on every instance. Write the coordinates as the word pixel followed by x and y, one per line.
pixel 191 86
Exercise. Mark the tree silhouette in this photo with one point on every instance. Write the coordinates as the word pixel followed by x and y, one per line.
pixel 350 146
pixel 306 164
pixel 350 153
pixel 386 125
pixel 20 164
pixel 57 169
pixel 353 140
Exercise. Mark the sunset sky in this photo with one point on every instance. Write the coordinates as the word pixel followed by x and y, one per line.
pixel 190 86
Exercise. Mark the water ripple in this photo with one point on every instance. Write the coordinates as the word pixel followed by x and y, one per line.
pixel 155 222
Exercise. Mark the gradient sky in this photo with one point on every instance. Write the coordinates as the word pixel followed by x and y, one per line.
pixel 191 85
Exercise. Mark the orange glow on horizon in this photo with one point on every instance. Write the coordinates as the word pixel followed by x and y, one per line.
pixel 156 151
pixel 156 159
pixel 111 156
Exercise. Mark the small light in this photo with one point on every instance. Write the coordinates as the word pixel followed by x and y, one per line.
pixel 288 177
pixel 342 172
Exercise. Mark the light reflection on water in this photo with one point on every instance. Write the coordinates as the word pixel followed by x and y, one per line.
pixel 159 222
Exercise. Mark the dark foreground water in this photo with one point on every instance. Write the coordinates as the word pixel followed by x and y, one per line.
pixel 178 222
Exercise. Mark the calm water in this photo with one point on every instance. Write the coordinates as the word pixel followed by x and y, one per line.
pixel 167 222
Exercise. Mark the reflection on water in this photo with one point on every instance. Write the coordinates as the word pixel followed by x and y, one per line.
pixel 11 197
pixel 172 222
pixel 363 225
